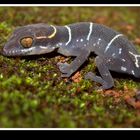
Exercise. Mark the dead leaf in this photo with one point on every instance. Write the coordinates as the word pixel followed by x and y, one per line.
pixel 101 19
pixel 137 41
pixel 129 27
pixel 62 59
pixel 137 105
pixel 112 93
pixel 130 100
pixel 76 77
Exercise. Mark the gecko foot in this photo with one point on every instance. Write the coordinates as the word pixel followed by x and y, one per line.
pixel 89 75
pixel 98 79
pixel 64 68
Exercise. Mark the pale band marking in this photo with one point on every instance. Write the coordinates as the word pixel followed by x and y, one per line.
pixel 133 72
pixel 120 50
pixel 69 31
pixel 29 49
pixel 53 34
pixel 123 60
pixel 43 47
pixel 50 36
pixel 41 37
pixel 136 58
pixel 99 41
pixel 123 68
pixel 60 44
pixel 107 47
pixel 90 30
pixel 113 54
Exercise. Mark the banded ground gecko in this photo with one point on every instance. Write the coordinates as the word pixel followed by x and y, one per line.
pixel 113 51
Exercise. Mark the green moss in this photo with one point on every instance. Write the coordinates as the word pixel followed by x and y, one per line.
pixel 32 93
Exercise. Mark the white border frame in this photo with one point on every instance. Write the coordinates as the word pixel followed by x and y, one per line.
pixel 71 5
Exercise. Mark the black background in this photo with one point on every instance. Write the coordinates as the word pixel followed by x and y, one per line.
pixel 69 1
pixel 70 135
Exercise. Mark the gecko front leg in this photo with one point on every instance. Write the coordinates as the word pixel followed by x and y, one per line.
pixel 106 79
pixel 68 69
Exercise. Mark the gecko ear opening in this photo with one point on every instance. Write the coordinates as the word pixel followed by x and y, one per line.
pixel 26 42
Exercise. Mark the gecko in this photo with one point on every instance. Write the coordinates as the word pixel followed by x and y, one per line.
pixel 112 50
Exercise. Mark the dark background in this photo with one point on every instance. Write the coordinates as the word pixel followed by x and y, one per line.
pixel 70 2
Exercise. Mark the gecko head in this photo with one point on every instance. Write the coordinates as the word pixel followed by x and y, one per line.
pixel 32 39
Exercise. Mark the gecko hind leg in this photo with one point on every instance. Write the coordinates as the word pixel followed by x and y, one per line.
pixel 93 77
pixel 106 79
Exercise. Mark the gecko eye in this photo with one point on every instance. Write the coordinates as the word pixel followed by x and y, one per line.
pixel 26 42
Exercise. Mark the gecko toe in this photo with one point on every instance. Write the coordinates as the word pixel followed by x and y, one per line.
pixel 65 75
pixel 89 75
pixel 63 67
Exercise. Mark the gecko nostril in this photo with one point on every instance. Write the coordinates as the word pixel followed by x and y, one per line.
pixel 3 51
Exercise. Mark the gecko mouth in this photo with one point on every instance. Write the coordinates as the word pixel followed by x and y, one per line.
pixel 27 51
pixel 16 52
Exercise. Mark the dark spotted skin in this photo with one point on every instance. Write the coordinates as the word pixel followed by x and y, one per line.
pixel 113 50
